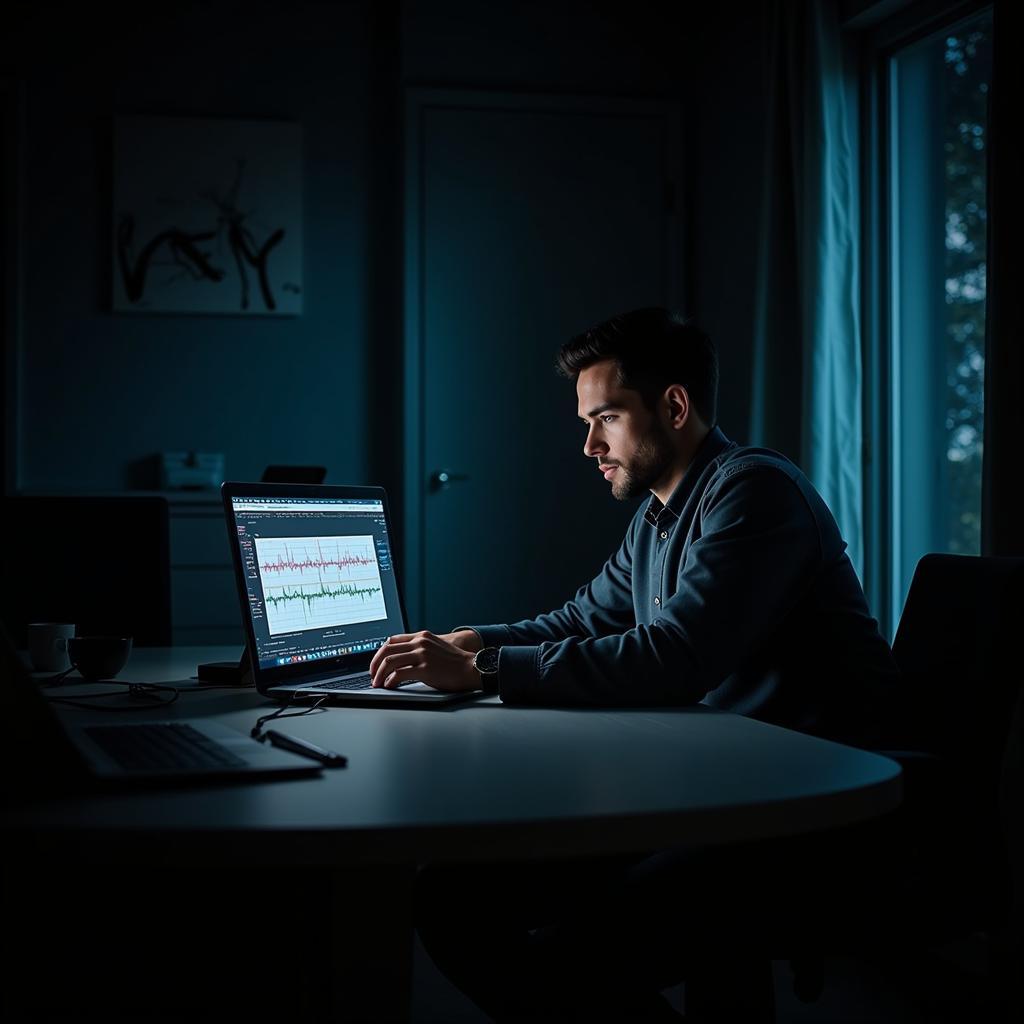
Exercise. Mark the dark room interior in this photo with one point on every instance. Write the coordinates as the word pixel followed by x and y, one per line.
pixel 331 256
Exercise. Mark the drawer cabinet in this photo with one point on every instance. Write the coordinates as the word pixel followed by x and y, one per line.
pixel 204 600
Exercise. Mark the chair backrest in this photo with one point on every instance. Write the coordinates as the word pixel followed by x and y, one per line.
pixel 958 650
pixel 102 563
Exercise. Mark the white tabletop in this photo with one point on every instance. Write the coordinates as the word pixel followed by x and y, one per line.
pixel 479 781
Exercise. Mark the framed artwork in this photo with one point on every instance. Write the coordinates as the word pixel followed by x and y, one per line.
pixel 207 216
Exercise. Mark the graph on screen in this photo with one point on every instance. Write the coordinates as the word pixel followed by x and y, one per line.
pixel 318 582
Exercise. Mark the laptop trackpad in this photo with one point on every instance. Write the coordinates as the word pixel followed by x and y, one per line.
pixel 413 686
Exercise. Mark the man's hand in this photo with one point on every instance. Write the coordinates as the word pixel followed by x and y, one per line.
pixel 465 640
pixel 444 662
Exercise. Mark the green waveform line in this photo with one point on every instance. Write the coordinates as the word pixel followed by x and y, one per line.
pixel 324 593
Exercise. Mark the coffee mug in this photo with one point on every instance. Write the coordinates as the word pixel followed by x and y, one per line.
pixel 99 657
pixel 48 646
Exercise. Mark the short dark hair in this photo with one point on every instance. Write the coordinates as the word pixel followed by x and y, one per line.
pixel 654 348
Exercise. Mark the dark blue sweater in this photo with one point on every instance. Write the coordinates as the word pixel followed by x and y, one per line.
pixel 737 594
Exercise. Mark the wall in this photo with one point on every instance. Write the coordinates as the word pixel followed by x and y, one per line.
pixel 608 49
pixel 727 167
pixel 99 393
pixel 712 58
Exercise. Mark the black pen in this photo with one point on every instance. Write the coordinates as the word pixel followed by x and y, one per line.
pixel 306 749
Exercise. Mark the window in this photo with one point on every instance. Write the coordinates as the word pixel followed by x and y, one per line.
pixel 932 331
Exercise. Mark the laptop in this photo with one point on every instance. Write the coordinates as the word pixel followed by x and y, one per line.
pixel 43 754
pixel 319 592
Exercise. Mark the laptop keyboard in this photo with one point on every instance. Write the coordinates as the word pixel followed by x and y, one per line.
pixel 162 747
pixel 354 683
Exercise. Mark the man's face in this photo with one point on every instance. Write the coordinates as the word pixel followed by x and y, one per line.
pixel 631 447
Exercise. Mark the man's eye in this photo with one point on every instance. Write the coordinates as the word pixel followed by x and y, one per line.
pixel 608 419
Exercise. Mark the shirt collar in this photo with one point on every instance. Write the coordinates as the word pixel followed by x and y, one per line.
pixel 710 448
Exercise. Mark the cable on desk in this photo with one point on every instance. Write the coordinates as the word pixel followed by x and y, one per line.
pixel 280 713
pixel 138 690
pixel 147 693
pixel 212 686
pixel 142 691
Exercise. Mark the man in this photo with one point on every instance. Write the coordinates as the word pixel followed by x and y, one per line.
pixel 731 588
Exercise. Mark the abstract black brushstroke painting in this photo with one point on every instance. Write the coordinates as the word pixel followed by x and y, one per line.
pixel 207 216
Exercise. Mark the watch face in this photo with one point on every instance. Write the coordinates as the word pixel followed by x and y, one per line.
pixel 486 661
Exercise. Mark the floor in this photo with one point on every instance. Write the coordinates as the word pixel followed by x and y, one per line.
pixel 854 992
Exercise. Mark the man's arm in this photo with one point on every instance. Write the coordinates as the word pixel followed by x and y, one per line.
pixel 759 553
pixel 605 605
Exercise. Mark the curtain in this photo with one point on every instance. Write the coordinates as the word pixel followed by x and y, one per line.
pixel 807 387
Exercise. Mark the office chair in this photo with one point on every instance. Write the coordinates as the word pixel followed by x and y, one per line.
pixel 958 652
pixel 102 563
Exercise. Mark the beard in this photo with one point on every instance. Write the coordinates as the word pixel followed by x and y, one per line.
pixel 652 460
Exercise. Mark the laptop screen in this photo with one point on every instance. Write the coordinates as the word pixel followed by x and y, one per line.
pixel 318 575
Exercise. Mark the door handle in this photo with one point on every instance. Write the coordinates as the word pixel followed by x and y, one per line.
pixel 442 479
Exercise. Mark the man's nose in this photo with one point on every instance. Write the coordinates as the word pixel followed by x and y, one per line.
pixel 593 445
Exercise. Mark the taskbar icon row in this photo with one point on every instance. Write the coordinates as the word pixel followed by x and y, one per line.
pixel 331 652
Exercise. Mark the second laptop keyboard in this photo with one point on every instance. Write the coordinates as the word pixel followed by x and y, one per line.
pixel 170 746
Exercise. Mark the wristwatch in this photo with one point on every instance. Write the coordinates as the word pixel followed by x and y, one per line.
pixel 485 661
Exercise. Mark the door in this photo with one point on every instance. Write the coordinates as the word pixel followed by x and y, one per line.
pixel 529 219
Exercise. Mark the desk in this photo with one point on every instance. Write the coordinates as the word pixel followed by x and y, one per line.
pixel 473 782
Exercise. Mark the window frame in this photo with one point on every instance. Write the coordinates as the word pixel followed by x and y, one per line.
pixel 879 41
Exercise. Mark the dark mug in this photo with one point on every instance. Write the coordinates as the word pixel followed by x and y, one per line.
pixel 99 657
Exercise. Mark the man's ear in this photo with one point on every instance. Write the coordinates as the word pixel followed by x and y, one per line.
pixel 677 406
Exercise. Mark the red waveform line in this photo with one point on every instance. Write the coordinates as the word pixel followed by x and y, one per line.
pixel 320 562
